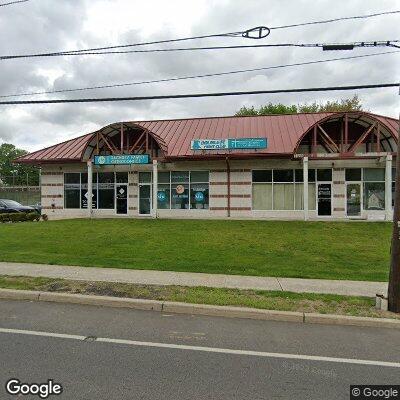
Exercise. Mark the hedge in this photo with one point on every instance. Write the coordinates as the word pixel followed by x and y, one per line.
pixel 19 217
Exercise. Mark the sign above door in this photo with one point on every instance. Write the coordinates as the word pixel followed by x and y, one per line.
pixel 229 144
pixel 122 159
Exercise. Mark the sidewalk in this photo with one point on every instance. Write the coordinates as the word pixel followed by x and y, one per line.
pixel 146 277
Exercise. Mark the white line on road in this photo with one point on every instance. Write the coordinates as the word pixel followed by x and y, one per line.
pixel 208 349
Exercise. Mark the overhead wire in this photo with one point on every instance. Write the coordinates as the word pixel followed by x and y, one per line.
pixel 195 76
pixel 384 43
pixel 200 95
pixel 12 2
pixel 228 34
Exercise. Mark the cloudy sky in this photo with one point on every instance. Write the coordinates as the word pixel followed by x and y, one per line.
pixel 54 25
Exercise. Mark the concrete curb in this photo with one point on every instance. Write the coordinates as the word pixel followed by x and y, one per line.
pixel 198 309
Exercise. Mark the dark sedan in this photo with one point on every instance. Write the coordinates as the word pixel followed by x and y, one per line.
pixel 11 206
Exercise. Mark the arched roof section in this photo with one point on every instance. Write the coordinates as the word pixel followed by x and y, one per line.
pixel 107 133
pixel 363 120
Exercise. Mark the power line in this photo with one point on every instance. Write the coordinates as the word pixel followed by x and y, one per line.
pixel 384 43
pixel 195 76
pixel 229 34
pixel 335 20
pixel 13 2
pixel 199 95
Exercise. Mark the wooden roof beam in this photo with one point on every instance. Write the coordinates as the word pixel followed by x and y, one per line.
pixel 356 144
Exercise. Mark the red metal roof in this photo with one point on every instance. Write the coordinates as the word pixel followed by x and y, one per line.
pixel 282 131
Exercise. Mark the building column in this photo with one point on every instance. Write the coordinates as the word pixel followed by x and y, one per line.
pixel 388 187
pixel 305 187
pixel 155 188
pixel 90 188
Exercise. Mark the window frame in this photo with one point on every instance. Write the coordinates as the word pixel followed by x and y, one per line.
pixel 95 189
pixel 189 183
pixel 294 182
pixel 362 183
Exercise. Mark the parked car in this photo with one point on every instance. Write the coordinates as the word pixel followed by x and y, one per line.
pixel 37 207
pixel 11 206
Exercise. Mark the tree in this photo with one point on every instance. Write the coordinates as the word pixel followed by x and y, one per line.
pixel 350 104
pixel 268 109
pixel 11 173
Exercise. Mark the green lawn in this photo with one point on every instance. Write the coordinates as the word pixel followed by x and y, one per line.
pixel 330 250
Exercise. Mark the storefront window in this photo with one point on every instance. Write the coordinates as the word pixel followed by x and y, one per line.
pixel 281 189
pixel 121 177
pixel 164 196
pixel 262 175
pixel 199 196
pixel 180 176
pixel 72 190
pixel 106 190
pixel 179 196
pixel 145 177
pixel 84 191
pixel 324 175
pixel 374 188
pixel 353 174
pixel 262 196
pixel 199 190
pixel 283 196
pixel 374 195
pixel 164 177
pixel 180 190
pixel 283 175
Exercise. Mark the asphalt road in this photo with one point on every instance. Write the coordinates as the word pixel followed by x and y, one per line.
pixel 151 355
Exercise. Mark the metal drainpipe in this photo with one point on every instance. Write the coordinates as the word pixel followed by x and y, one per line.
pixel 228 175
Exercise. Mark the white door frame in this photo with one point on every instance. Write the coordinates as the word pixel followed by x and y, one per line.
pixel 151 199
pixel 361 197
pixel 115 197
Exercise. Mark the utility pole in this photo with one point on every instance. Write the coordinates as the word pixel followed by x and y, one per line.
pixel 394 275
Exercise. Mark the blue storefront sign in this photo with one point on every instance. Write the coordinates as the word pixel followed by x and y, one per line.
pixel 199 197
pixel 122 159
pixel 161 196
pixel 229 144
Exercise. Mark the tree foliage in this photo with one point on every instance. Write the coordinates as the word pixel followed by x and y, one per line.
pixel 18 174
pixel 349 104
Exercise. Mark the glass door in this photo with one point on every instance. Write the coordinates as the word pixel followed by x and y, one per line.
pixel 121 198
pixel 353 199
pixel 324 199
pixel 144 199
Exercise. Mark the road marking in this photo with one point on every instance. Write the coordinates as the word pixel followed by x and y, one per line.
pixel 38 333
pixel 208 349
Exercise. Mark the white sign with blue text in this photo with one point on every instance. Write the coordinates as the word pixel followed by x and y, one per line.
pixel 122 159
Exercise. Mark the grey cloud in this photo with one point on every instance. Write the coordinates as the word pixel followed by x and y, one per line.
pixel 63 26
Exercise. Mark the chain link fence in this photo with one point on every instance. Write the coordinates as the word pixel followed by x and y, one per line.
pixel 24 188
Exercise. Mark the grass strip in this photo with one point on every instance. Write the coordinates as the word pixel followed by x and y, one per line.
pixel 270 300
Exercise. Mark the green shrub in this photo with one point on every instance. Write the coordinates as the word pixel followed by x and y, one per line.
pixel 5 217
pixel 33 216
pixel 45 217
pixel 18 217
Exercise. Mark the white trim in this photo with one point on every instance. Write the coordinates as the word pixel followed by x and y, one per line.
pixel 115 197
pixel 346 183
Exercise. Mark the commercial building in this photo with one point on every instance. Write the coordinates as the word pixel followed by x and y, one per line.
pixel 297 166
